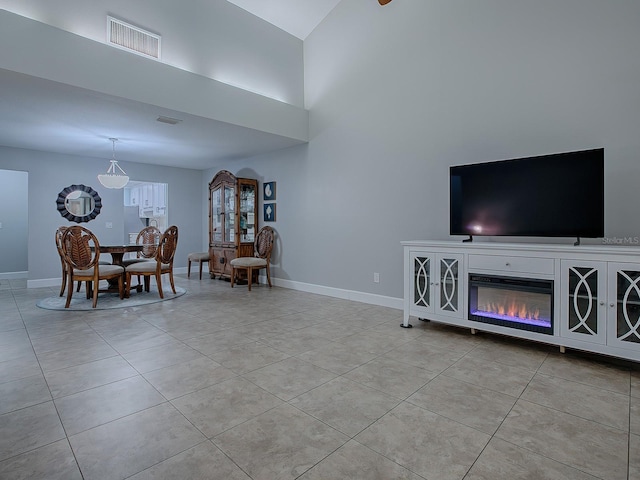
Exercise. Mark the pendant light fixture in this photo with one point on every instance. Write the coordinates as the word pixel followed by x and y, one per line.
pixel 115 176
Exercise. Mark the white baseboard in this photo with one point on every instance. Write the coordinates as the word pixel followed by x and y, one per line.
pixel 13 275
pixel 363 297
pixel 44 282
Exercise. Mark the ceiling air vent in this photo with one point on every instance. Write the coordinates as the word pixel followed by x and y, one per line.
pixel 169 120
pixel 133 39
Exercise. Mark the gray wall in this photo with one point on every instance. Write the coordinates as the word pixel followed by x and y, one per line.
pixel 50 173
pixel 54 54
pixel 212 38
pixel 14 215
pixel 398 94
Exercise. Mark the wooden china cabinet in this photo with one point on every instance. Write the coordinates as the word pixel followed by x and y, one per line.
pixel 233 221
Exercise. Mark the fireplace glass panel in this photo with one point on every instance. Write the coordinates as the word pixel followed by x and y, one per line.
pixel 525 304
pixel 525 307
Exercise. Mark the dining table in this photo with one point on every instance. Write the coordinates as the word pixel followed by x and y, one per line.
pixel 117 256
pixel 117 251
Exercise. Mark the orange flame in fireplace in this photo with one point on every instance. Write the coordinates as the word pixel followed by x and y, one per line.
pixel 513 309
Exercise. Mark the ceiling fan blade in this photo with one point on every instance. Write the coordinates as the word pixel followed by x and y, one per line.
pixel 383 2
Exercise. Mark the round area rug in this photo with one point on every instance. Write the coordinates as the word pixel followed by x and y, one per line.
pixel 109 300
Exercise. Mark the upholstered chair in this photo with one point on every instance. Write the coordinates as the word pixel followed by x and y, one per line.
pixel 262 247
pixel 199 257
pixel 81 252
pixel 161 265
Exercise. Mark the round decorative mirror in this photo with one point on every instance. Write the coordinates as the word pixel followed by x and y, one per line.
pixel 79 203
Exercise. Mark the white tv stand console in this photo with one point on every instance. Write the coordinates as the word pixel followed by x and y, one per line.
pixel 596 289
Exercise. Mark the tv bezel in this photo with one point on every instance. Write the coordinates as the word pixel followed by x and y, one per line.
pixel 596 232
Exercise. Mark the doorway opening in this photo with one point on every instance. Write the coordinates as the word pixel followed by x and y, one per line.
pixel 145 204
pixel 14 223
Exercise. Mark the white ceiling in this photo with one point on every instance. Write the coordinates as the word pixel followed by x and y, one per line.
pixel 298 17
pixel 42 115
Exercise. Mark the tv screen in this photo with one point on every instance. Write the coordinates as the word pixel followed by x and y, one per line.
pixel 559 195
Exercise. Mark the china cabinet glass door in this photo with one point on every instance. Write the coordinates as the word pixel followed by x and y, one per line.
pixel 229 213
pixel 247 213
pixel 216 208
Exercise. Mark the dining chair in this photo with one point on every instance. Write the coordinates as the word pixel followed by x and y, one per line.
pixel 262 257
pixel 199 257
pixel 59 232
pixel 81 251
pixel 163 263
pixel 148 237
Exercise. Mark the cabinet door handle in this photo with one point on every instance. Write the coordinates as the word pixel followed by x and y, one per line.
pixel 507 264
pixel 601 303
pixel 612 304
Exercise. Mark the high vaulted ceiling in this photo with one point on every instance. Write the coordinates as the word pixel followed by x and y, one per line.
pixel 298 17
pixel 34 112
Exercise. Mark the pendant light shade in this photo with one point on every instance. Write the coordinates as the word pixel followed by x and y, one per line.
pixel 115 177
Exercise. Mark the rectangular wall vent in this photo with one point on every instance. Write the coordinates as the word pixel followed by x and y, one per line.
pixel 133 39
pixel 169 120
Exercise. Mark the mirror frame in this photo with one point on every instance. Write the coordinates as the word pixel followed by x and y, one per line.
pixel 62 197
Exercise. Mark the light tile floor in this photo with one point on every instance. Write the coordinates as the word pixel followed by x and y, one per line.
pixel 278 384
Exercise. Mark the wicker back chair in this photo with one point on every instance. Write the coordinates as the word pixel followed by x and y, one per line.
pixel 163 263
pixel 81 252
pixel 263 245
pixel 59 232
pixel 148 237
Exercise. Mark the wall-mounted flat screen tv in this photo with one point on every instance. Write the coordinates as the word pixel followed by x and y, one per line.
pixel 559 195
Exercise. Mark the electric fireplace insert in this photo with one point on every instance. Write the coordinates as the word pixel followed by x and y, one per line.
pixel 521 303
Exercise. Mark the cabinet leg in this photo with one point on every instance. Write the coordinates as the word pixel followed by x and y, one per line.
pixel 473 331
pixel 562 349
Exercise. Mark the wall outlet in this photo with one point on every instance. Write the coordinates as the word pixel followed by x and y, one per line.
pixel 376 277
pixel 109 225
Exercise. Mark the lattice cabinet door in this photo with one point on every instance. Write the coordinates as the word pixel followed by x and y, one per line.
pixel 449 287
pixel 624 306
pixel 422 283
pixel 583 299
